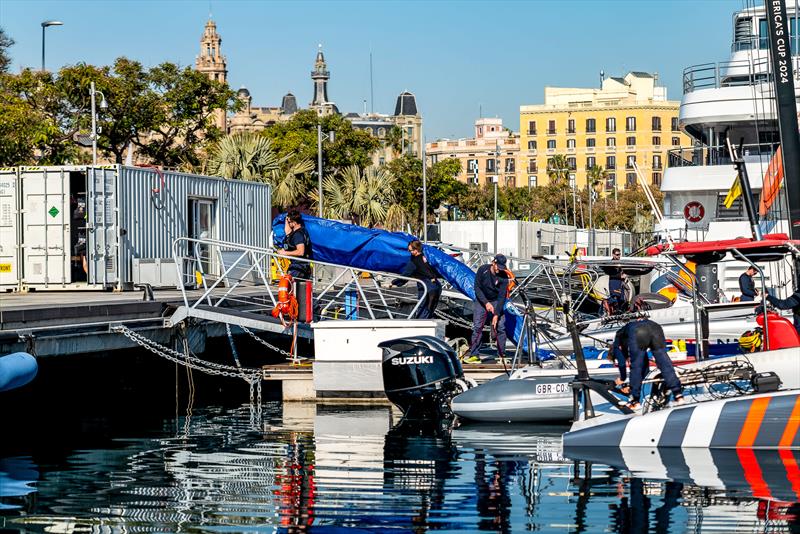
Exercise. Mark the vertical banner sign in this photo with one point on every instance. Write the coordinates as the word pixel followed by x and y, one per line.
pixel 783 79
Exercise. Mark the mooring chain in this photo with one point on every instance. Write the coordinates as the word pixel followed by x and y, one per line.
pixel 250 375
pixel 457 320
pixel 268 344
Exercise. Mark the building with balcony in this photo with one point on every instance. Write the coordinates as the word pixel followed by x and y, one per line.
pixel 625 122
pixel 493 151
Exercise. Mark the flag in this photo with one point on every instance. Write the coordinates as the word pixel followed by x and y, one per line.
pixel 734 192
pixel 772 183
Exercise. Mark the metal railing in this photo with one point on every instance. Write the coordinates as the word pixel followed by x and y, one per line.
pixel 222 274
pixel 729 74
pixel 697 156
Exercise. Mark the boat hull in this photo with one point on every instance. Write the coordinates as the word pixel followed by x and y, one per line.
pixel 543 397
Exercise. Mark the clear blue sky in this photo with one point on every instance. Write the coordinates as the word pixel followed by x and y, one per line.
pixel 455 56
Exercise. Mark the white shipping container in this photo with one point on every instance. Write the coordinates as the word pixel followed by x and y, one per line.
pixel 9 230
pixel 82 227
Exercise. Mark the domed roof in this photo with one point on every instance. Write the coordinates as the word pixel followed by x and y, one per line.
pixel 243 91
pixel 406 104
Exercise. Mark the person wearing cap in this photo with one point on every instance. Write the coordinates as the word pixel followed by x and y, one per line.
pixel 491 286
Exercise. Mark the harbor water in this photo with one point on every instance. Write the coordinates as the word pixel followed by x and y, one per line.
pixel 137 445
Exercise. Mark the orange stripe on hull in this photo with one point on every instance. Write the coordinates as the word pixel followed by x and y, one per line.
pixel 791 426
pixel 752 423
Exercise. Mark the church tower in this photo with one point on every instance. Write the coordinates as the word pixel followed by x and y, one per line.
pixel 212 63
pixel 320 76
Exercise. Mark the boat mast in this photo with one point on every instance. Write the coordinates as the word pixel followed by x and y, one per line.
pixel 783 82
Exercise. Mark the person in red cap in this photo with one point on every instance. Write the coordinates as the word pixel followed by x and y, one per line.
pixel 491 286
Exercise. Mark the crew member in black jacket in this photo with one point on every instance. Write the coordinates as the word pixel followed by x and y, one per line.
pixel 419 268
pixel 491 286
pixel 792 302
pixel 747 286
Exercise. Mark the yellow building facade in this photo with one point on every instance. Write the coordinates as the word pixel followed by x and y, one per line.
pixel 627 123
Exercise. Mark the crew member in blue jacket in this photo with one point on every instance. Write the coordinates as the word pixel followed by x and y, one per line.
pixel 632 343
pixel 747 286
pixel 491 286
pixel 419 268
pixel 792 302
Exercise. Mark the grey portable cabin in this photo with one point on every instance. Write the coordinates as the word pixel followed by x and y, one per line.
pixel 122 220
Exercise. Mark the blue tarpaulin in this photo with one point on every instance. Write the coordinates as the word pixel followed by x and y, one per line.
pixel 381 250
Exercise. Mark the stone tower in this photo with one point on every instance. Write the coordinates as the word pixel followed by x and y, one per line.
pixel 212 63
pixel 320 75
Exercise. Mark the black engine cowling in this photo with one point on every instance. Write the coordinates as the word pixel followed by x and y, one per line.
pixel 421 374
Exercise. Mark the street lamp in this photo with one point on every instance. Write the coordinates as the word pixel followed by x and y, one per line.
pixel 330 137
pixel 495 179
pixel 103 105
pixel 46 24
pixel 424 195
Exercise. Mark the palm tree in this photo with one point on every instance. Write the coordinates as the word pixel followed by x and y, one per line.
pixel 250 156
pixel 366 197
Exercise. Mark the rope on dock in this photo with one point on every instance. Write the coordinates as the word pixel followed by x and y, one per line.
pixel 252 376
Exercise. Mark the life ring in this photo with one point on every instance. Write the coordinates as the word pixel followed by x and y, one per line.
pixel 287 303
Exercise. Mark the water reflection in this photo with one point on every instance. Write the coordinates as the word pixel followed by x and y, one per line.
pixel 312 467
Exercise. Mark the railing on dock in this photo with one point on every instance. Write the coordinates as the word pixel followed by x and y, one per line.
pixel 242 281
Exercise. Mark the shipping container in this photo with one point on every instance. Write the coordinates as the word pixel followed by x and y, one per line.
pixel 113 226
pixel 9 230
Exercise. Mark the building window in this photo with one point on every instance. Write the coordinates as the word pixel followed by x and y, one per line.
pixel 674 124
pixel 570 143
pixel 590 142
pixel 630 180
pixel 657 162
pixel 630 140
pixel 532 167
pixel 590 162
pixel 490 165
pixel 572 163
pixel 510 165
pixel 531 127
pixel 630 162
pixel 657 179
pixel 630 124
pixel 591 126
pixel 472 166
pixel 551 127
pixel 532 145
pixel 551 143
pixel 656 124
pixel 676 141
pixel 533 181
pixel 611 181
pixel 611 162
pixel 382 161
pixel 611 124
pixel 611 141
pixel 571 126
pixel 656 140
pixel 381 132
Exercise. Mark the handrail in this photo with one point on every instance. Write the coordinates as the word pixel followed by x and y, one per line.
pixel 733 73
pixel 245 281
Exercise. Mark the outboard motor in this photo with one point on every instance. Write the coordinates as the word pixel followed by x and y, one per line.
pixel 421 374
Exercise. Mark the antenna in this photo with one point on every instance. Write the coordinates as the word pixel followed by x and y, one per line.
pixel 602 77
pixel 371 88
pixel 480 111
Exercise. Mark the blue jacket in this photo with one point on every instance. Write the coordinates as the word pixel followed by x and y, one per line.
pixel 490 287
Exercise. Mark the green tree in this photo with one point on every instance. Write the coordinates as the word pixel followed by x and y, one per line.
pixel 6 42
pixel 249 156
pixel 297 138
pixel 36 121
pixel 363 196
pixel 188 102
pixel 442 186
